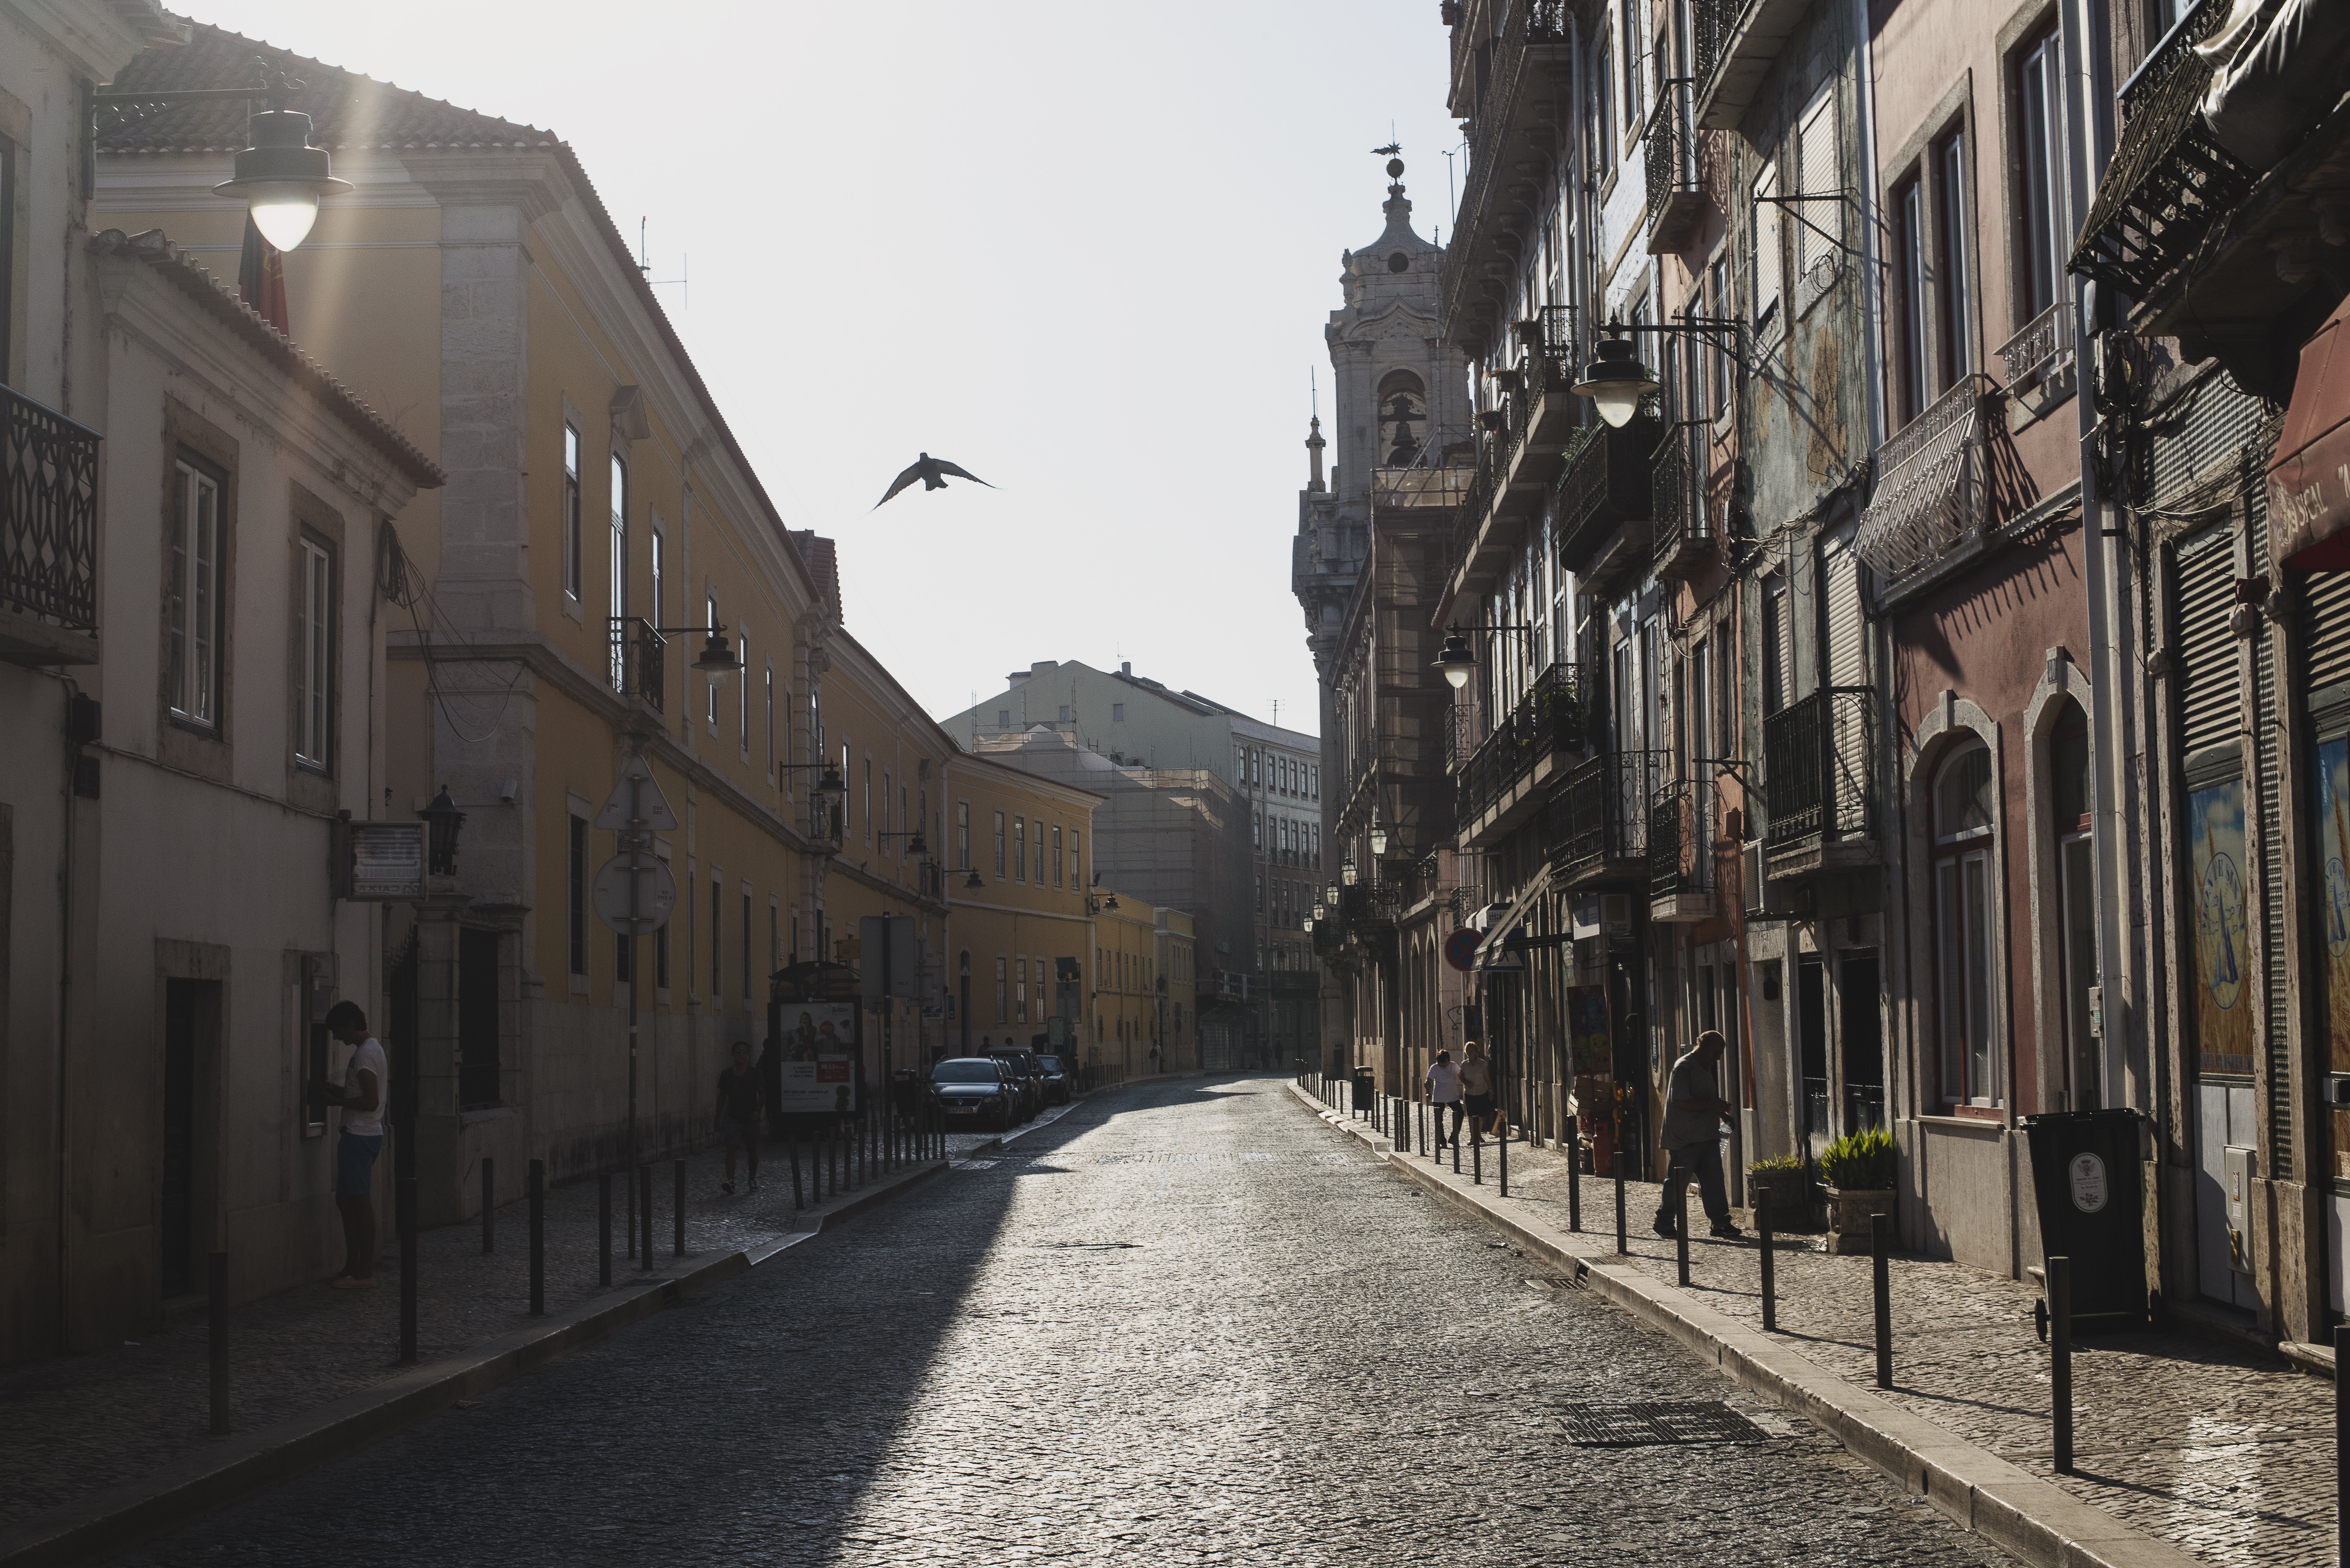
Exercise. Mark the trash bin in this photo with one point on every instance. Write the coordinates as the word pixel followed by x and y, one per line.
pixel 2085 1179
pixel 1365 1088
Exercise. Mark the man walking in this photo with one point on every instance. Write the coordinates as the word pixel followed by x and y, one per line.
pixel 740 1099
pixel 1444 1089
pixel 359 1143
pixel 1477 1091
pixel 1694 1111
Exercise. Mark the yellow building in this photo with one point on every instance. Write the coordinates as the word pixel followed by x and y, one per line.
pixel 1021 938
pixel 548 612
pixel 1179 995
pixel 1127 1029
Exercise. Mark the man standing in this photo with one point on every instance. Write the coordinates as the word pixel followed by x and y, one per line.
pixel 1694 1111
pixel 740 1099
pixel 360 1140
pixel 1444 1089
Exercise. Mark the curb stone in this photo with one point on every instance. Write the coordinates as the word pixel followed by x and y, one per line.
pixel 104 1522
pixel 2032 1520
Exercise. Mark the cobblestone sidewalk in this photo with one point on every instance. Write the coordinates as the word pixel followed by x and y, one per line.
pixel 72 1426
pixel 2218 1450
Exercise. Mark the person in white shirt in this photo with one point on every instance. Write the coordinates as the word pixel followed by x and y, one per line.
pixel 362 1097
pixel 1444 1089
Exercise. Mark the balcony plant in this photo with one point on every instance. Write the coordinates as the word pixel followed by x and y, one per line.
pixel 1784 1182
pixel 1859 1169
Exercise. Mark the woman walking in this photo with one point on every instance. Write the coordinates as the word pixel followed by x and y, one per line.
pixel 1477 1087
pixel 1444 1089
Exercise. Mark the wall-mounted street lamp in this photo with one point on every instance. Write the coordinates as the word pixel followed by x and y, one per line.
pixel 918 846
pixel 1379 841
pixel 830 787
pixel 279 175
pixel 1616 380
pixel 1458 659
pixel 1096 903
pixel 1347 871
pixel 442 822
pixel 1330 894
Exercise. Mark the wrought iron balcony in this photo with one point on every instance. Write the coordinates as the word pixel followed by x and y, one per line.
pixel 638 659
pixel 1932 495
pixel 2043 348
pixel 1819 778
pixel 1607 801
pixel 1681 535
pixel 1511 97
pixel 1680 850
pixel 1522 749
pixel 1607 486
pixel 48 534
pixel 1464 731
pixel 1676 194
pixel 2168 179
pixel 1734 43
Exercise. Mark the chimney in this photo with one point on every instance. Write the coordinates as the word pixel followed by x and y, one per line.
pixel 824 565
pixel 1017 677
pixel 1125 667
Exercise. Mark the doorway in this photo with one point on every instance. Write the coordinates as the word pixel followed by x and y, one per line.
pixel 478 1015
pixel 1863 1033
pixel 1811 1032
pixel 190 1035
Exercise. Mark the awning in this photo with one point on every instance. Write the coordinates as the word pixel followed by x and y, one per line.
pixel 2309 481
pixel 1489 954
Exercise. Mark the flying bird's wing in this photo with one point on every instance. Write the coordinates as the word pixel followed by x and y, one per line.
pixel 945 467
pixel 900 483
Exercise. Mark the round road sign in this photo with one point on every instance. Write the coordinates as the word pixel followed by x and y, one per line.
pixel 1461 949
pixel 635 892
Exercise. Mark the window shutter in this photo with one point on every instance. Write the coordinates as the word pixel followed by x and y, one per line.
pixel 1847 659
pixel 2208 707
pixel 1815 146
pixel 2326 616
pixel 2268 799
pixel 1766 244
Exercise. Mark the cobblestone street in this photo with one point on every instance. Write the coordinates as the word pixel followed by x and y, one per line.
pixel 1184 1323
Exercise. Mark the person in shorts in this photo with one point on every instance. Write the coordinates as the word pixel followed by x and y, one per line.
pixel 360 1140
pixel 1477 1091
pixel 740 1101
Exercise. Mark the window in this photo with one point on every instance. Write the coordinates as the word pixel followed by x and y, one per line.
pixel 1020 991
pixel 579 896
pixel 193 597
pixel 618 567
pixel 1778 643
pixel 653 611
pixel 999 848
pixel 2074 913
pixel 1002 990
pixel 1716 346
pixel 742 699
pixel 1064 712
pixel 1603 109
pixel 746 949
pixel 868 800
pixel 1912 306
pixel 1003 718
pixel 1818 224
pixel 717 944
pixel 1077 857
pixel 1117 712
pixel 7 250
pixel 2036 87
pixel 571 514
pixel 712 603
pixel 661 956
pixel 962 836
pixel 1040 851
pixel 1767 254
pixel 1020 849
pixel 1631 65
pixel 770 702
pixel 313 668
pixel 1056 855
pixel 1963 937
pixel 1952 246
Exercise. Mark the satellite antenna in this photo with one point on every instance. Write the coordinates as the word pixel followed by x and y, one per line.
pixel 645 269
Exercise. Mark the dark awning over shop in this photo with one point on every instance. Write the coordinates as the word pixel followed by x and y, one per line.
pixel 2309 483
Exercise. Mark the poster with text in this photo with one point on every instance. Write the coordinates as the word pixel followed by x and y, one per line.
pixel 1587 1037
pixel 2224 995
pixel 2334 918
pixel 819 1057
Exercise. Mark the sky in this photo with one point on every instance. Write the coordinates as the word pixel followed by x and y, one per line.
pixel 1084 249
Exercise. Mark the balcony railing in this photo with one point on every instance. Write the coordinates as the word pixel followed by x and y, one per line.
pixel 1607 800
pixel 2045 343
pixel 1464 731
pixel 1548 719
pixel 1931 495
pixel 637 660
pixel 1819 761
pixel 1532 33
pixel 1678 534
pixel 1680 838
pixel 1675 195
pixel 1607 482
pixel 1711 25
pixel 48 516
pixel 2168 179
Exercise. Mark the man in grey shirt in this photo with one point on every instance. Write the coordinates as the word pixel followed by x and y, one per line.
pixel 1694 1110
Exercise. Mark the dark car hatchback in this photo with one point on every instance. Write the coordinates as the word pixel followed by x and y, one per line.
pixel 969 1089
pixel 1056 1079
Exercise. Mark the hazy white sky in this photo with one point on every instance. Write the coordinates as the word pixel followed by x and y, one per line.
pixel 1084 249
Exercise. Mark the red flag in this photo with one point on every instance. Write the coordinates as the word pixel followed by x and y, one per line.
pixel 260 278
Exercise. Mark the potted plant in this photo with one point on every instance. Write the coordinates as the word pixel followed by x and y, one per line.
pixel 1784 1183
pixel 1858 1169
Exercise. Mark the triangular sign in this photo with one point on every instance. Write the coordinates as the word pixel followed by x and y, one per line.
pixel 635 797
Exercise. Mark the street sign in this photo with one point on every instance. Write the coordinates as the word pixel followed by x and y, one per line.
pixel 635 804
pixel 634 893
pixel 1504 959
pixel 386 860
pixel 1460 950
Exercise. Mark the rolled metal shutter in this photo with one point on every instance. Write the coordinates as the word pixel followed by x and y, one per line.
pixel 2325 618
pixel 1846 657
pixel 2209 701
pixel 2268 793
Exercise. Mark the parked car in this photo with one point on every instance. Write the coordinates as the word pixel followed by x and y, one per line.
pixel 1031 1079
pixel 973 1089
pixel 1057 1080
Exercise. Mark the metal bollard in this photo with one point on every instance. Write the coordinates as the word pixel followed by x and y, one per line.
pixel 1574 1183
pixel 2060 1358
pixel 645 1216
pixel 1769 1274
pixel 404 1215
pixel 1621 1249
pixel 792 1146
pixel 1476 1157
pixel 677 1247
pixel 2341 1447
pixel 539 1237
pixel 1502 1155
pixel 1681 1224
pixel 1880 1244
pixel 489 1206
pixel 1456 1143
pixel 216 1283
pixel 604 1229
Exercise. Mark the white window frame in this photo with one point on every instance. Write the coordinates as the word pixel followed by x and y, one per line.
pixel 313 712
pixel 193 596
pixel 1965 940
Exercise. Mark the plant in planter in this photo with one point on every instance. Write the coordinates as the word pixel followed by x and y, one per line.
pixel 1784 1182
pixel 1859 1169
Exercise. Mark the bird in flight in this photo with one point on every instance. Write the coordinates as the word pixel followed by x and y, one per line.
pixel 932 471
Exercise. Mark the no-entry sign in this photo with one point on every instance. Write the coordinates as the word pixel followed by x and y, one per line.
pixel 1460 950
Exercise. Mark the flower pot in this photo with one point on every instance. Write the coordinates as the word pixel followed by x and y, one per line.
pixel 1789 1193
pixel 1848 1213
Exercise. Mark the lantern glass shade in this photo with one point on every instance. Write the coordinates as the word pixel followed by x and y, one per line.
pixel 1307 924
pixel 1615 382
pixel 280 177
pixel 282 210
pixel 973 882
pixel 1378 842
pixel 1457 660
pixel 1347 871
pixel 717 656
pixel 442 822
pixel 1330 895
pixel 828 785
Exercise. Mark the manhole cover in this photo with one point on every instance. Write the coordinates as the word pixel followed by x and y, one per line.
pixel 1649 1423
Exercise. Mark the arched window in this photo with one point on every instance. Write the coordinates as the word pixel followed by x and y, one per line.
pixel 1403 418
pixel 1963 978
